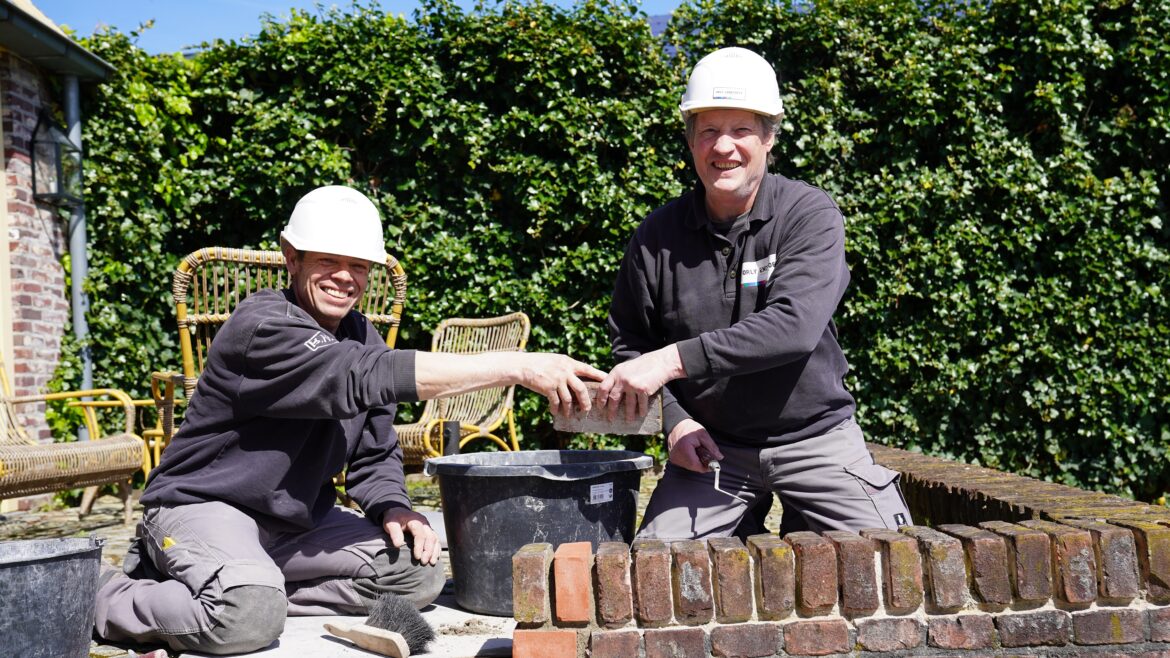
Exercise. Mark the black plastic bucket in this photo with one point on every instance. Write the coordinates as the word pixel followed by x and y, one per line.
pixel 47 592
pixel 496 502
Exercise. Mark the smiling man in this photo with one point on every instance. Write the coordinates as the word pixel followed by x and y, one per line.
pixel 725 298
pixel 240 524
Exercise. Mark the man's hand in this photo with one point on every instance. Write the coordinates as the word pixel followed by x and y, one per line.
pixel 636 380
pixel 558 378
pixel 686 442
pixel 398 521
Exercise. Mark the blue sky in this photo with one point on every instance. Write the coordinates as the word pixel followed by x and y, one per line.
pixel 182 23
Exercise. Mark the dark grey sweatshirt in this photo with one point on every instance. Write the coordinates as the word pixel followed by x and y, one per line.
pixel 750 306
pixel 281 406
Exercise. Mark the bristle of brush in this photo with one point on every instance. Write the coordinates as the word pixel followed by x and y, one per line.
pixel 395 613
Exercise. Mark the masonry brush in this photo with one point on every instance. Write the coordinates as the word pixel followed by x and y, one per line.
pixel 394 628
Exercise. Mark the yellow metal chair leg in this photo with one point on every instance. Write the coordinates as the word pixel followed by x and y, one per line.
pixel 512 431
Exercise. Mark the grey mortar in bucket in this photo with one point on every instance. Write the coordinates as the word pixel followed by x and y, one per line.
pixel 496 502
pixel 48 589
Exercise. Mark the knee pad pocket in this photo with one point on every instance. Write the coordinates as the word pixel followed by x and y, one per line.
pixel 251 618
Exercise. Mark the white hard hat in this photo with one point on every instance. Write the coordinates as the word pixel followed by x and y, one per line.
pixel 338 220
pixel 732 78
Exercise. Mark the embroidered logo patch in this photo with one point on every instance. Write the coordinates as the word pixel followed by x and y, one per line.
pixel 319 340
pixel 757 273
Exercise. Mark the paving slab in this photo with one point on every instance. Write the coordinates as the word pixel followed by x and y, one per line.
pixel 461 634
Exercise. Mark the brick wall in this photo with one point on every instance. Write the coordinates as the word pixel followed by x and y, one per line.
pixel 1082 587
pixel 944 491
pixel 36 242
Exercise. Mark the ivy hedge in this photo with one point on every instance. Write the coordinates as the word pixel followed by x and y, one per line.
pixel 1004 168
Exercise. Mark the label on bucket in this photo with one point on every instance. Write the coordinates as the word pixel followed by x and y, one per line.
pixel 601 493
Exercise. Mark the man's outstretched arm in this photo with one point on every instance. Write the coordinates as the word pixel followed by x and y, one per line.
pixel 555 376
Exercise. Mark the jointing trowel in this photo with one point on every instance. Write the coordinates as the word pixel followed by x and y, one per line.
pixel 710 462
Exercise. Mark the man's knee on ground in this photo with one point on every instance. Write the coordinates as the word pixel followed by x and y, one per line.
pixel 252 617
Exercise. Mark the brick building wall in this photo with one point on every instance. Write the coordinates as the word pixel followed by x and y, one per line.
pixel 36 243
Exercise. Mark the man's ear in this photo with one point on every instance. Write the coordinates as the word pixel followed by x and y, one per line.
pixel 291 261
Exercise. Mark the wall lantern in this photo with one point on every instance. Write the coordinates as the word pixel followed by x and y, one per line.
pixel 56 165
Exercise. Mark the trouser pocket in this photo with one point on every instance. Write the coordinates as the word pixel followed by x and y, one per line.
pixel 881 485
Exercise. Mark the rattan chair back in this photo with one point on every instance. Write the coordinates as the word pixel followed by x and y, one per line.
pixel 479 413
pixel 473 336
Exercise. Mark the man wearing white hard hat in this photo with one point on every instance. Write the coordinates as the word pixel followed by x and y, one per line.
pixel 725 301
pixel 239 524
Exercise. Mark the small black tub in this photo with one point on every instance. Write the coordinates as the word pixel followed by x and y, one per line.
pixel 48 589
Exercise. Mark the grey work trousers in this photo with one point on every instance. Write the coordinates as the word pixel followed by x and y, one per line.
pixel 212 578
pixel 828 482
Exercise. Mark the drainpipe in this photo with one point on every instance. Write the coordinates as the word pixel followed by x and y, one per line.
pixel 79 256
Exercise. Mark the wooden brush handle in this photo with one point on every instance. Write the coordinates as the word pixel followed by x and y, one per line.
pixel 380 640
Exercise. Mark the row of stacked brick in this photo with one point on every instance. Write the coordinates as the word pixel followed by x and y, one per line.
pixel 1067 588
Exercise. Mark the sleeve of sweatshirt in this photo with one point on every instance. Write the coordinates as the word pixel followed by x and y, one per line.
pixel 294 369
pixel 375 477
pixel 805 287
pixel 634 327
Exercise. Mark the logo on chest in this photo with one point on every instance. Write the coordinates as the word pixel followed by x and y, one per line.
pixel 757 273
pixel 319 340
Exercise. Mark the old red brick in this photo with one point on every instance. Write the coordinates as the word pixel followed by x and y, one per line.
pixel 693 603
pixel 961 632
pixel 1159 624
pixel 732 579
pixel 902 586
pixel 1034 629
pixel 890 634
pixel 856 572
pixel 530 579
pixel 1074 561
pixel 652 583
pixel 816 637
pixel 615 604
pixel 572 584
pixel 1029 557
pixel 1118 573
pixel 1109 626
pixel 775 581
pixel 1152 542
pixel 529 643
pixel 986 563
pixel 745 640
pixel 816 572
pixel 945 567
pixel 615 644
pixel 676 643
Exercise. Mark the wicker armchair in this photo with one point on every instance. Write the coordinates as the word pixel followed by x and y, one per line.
pixel 28 467
pixel 479 413
pixel 209 283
